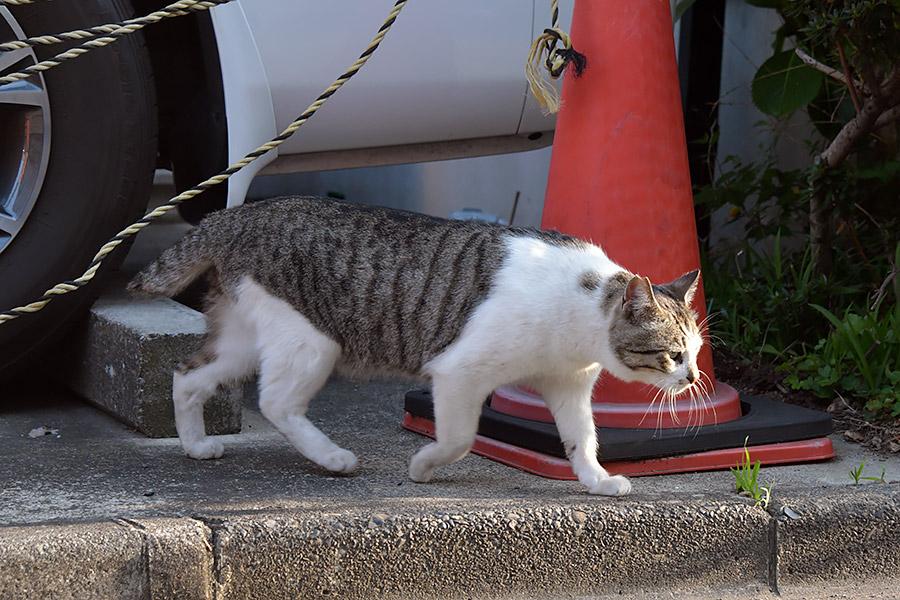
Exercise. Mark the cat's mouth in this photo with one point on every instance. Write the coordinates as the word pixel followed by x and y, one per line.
pixel 698 388
pixel 686 387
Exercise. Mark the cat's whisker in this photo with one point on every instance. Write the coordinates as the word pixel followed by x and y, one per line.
pixel 661 395
pixel 705 326
pixel 693 389
pixel 691 393
pixel 650 407
pixel 687 394
pixel 665 406
pixel 659 414
pixel 697 391
pixel 708 386
pixel 707 389
pixel 708 319
pixel 693 398
pixel 707 381
pixel 672 407
pixel 697 401
pixel 702 406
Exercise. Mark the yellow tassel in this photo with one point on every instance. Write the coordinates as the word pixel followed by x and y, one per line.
pixel 544 91
pixel 544 53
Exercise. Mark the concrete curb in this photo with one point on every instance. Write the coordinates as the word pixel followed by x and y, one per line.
pixel 484 553
pixel 851 536
pixel 403 549
pixel 96 560
pixel 179 558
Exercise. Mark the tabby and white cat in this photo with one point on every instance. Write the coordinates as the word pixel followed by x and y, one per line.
pixel 302 285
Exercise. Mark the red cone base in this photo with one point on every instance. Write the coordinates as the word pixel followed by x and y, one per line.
pixel 554 467
pixel 723 405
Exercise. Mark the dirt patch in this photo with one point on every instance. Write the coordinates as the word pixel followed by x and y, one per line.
pixel 761 379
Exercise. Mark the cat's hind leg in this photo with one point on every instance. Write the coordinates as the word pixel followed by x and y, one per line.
pixel 289 379
pixel 457 408
pixel 295 362
pixel 228 355
pixel 569 400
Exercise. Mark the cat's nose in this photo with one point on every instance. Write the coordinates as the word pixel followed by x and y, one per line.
pixel 691 378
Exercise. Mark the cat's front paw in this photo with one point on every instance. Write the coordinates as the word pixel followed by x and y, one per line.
pixel 611 486
pixel 420 469
pixel 340 461
pixel 204 449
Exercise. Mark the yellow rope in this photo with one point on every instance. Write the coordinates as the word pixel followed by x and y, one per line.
pixel 555 62
pixel 173 10
pixel 111 32
pixel 70 286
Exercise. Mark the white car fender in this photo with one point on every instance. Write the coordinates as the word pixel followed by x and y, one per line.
pixel 248 100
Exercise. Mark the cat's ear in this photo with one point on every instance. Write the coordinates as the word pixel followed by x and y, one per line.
pixel 638 294
pixel 685 286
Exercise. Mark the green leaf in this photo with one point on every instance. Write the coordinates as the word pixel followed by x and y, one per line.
pixel 770 349
pixel 783 84
pixel 828 315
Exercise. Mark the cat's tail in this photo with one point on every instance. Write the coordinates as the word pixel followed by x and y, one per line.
pixel 175 269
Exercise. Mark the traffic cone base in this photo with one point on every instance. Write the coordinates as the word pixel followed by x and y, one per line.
pixel 723 405
pixel 772 432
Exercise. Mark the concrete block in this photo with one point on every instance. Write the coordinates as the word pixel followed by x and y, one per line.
pixel 121 359
pixel 90 561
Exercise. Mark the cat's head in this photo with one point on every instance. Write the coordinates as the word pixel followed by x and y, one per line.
pixel 654 335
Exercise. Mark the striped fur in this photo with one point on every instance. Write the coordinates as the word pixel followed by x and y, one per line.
pixel 393 289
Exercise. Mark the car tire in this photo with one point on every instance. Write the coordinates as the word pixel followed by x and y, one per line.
pixel 95 179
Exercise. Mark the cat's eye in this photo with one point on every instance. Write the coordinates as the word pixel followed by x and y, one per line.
pixel 676 356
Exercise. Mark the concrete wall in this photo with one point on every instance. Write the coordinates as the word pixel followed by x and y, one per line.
pixel 746 132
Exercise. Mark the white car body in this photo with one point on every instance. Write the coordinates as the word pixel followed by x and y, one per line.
pixel 448 81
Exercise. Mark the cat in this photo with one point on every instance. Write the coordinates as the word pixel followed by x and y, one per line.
pixel 301 285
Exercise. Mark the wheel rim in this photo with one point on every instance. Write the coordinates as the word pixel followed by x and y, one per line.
pixel 25 123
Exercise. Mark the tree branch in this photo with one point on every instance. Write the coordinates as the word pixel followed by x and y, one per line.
pixel 850 83
pixel 890 85
pixel 878 110
pixel 831 72
pixel 887 117
pixel 856 129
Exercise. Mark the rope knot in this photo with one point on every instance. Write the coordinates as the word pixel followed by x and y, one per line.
pixel 555 61
pixel 559 58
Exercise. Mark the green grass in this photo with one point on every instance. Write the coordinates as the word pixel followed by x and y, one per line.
pixel 746 480
pixel 856 474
